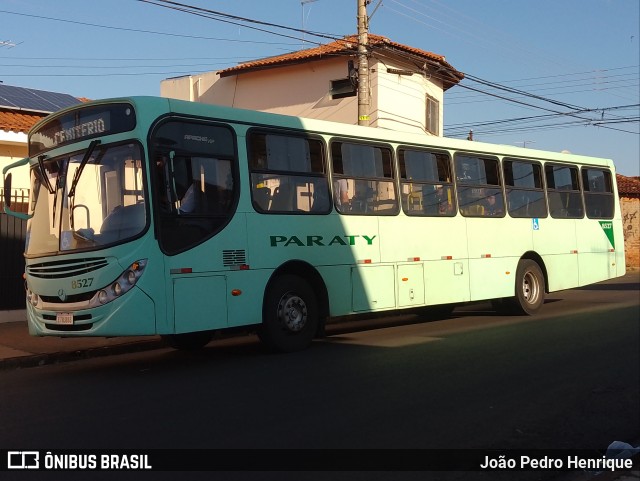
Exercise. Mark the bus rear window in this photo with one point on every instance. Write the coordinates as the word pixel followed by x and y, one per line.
pixel 598 193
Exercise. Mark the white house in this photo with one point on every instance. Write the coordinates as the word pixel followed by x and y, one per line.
pixel 406 85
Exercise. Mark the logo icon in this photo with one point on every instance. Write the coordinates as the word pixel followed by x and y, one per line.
pixel 23 460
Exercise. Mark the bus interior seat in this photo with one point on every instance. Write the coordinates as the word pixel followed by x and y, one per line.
pixel 281 200
pixel 130 218
pixel 414 200
pixel 262 197
pixel 473 209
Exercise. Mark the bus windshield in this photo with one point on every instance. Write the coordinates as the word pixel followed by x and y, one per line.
pixel 86 200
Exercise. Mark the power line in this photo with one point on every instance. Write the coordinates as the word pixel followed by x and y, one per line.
pixel 135 30
pixel 235 20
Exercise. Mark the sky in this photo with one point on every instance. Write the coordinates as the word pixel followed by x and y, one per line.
pixel 558 75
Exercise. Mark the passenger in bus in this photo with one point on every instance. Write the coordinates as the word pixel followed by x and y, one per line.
pixel 321 201
pixel 341 194
pixel 443 196
pixel 466 172
pixel 493 207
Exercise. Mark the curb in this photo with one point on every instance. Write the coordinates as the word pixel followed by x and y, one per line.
pixel 36 360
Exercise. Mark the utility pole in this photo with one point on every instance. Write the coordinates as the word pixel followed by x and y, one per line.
pixel 363 63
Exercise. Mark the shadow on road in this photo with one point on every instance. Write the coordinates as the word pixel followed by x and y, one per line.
pixel 623 286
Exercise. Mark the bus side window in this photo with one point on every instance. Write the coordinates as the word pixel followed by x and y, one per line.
pixel 367 172
pixel 426 182
pixel 288 174
pixel 525 192
pixel 195 182
pixel 563 190
pixel 479 186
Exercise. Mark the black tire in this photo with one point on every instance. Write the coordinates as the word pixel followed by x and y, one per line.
pixel 530 288
pixel 190 341
pixel 289 314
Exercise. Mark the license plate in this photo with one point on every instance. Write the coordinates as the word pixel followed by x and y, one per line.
pixel 64 318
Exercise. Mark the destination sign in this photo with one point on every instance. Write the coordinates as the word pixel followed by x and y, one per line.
pixel 85 129
pixel 80 124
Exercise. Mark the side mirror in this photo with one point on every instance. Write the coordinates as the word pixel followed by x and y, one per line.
pixel 7 190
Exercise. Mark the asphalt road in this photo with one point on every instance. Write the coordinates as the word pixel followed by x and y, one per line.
pixel 569 378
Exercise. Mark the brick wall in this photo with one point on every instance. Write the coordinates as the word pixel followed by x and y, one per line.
pixel 631 224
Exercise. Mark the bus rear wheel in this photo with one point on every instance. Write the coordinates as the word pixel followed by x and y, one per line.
pixel 530 288
pixel 189 341
pixel 290 314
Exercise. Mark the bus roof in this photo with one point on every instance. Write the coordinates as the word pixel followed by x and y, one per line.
pixel 325 127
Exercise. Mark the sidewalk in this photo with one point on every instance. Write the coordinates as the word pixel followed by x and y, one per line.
pixel 19 349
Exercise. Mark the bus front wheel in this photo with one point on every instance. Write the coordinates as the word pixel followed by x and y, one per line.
pixel 530 288
pixel 290 314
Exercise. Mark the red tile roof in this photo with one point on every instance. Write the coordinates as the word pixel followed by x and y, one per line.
pixel 18 121
pixel 346 46
pixel 628 185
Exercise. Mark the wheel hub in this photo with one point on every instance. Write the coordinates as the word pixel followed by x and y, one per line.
pixel 530 288
pixel 292 312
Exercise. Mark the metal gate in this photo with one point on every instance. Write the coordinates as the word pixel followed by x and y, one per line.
pixel 12 238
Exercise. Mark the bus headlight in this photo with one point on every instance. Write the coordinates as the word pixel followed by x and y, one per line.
pixel 122 284
pixel 103 297
pixel 131 277
pixel 32 298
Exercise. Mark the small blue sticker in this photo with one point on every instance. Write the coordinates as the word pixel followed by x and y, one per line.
pixel 535 223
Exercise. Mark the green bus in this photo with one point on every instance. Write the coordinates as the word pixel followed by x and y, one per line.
pixel 156 216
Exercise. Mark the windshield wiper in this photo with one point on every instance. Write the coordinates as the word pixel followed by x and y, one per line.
pixel 43 174
pixel 85 160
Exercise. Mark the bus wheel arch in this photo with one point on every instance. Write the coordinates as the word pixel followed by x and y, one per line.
pixel 530 286
pixel 295 307
pixel 534 256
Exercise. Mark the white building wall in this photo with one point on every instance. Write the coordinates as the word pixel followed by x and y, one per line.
pixel 13 147
pixel 301 90
pixel 402 100
pixel 397 102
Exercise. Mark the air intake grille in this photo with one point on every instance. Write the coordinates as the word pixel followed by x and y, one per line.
pixel 234 258
pixel 67 268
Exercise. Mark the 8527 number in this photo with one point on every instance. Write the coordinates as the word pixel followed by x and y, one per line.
pixel 81 283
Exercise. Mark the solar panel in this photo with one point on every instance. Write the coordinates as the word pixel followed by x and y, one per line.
pixel 37 100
